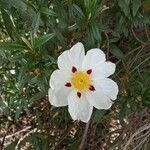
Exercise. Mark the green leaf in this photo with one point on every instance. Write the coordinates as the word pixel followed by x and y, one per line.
pixel 12 146
pixel 22 76
pixel 43 39
pixel 5 107
pixel 116 52
pixel 36 22
pixel 12 46
pixel 18 4
pixel 77 10
pixel 47 11
pixel 123 4
pixel 18 112
pixel 38 96
pixel 87 3
pixel 8 24
pixel 2 54
pixel 98 116
pixel 135 6
pixel 95 31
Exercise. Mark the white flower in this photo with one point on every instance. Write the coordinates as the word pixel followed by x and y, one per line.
pixel 82 82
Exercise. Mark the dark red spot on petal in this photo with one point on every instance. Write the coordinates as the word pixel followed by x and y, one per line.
pixel 68 84
pixel 89 71
pixel 74 69
pixel 79 94
pixel 92 88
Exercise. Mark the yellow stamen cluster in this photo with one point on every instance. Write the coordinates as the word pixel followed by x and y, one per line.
pixel 81 81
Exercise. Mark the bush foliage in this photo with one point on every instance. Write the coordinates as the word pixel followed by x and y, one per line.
pixel 33 33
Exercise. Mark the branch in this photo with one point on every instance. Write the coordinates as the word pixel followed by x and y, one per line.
pixel 3 140
pixel 22 138
pixel 148 38
pixel 108 47
pixel 84 136
pixel 16 133
pixel 145 127
pixel 140 41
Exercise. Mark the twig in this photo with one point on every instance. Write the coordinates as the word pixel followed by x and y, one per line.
pixel 22 138
pixel 135 58
pixel 148 38
pixel 141 143
pixel 3 140
pixel 139 64
pixel 66 133
pixel 107 37
pixel 84 136
pixel 145 127
pixel 143 135
pixel 16 133
pixel 140 41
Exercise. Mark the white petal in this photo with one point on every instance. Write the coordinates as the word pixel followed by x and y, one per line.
pixel 77 54
pixel 58 92
pixel 59 78
pixel 79 108
pixel 103 70
pixel 98 99
pixel 72 57
pixel 93 57
pixel 108 86
pixel 58 98
pixel 64 61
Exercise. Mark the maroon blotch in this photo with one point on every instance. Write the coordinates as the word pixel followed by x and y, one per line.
pixel 74 69
pixel 79 94
pixel 92 88
pixel 68 84
pixel 89 71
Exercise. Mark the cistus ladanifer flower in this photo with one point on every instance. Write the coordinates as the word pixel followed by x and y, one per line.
pixel 81 82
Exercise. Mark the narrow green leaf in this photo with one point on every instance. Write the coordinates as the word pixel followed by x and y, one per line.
pixel 36 22
pixel 38 96
pixel 18 112
pixel 87 3
pixel 12 46
pixel 77 10
pixel 135 6
pixel 8 24
pixel 18 4
pixel 12 145
pixel 95 31
pixel 98 116
pixel 4 107
pixel 2 53
pixel 116 52
pixel 47 11
pixel 22 76
pixel 123 4
pixel 43 39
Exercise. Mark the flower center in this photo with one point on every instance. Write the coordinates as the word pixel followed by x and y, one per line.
pixel 81 80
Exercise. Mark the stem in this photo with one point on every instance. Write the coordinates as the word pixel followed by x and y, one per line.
pixel 136 37
pixel 148 38
pixel 146 127
pixel 84 136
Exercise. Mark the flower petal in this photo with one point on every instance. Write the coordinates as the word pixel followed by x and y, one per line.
pixel 72 57
pixel 103 70
pixel 93 57
pixel 59 78
pixel 58 98
pixel 98 99
pixel 108 86
pixel 77 54
pixel 79 108
pixel 64 61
